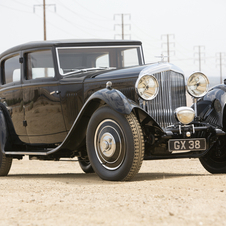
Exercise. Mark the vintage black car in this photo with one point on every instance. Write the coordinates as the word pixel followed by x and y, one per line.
pixel 98 101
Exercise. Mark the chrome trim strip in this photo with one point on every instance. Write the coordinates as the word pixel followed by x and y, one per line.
pixel 25 153
pixel 160 67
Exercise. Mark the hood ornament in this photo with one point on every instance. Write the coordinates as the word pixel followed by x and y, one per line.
pixel 162 58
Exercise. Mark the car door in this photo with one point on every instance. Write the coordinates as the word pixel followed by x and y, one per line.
pixel 43 112
pixel 11 95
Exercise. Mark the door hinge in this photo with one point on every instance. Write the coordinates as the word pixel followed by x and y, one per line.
pixel 21 60
pixel 24 123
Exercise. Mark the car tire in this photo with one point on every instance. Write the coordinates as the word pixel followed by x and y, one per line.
pixel 215 160
pixel 115 144
pixel 5 164
pixel 85 165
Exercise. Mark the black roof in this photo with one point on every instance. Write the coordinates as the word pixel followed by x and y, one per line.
pixel 69 42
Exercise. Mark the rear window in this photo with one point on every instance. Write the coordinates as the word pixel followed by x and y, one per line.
pixel 11 70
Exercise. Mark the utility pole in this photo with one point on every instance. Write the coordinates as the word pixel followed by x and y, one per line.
pixel 44 18
pixel 219 57
pixel 168 43
pixel 44 14
pixel 200 54
pixel 122 24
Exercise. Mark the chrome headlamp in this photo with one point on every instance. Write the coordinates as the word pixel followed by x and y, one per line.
pixel 185 115
pixel 197 84
pixel 147 87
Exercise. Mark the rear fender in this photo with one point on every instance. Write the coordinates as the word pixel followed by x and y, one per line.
pixel 3 132
pixel 8 136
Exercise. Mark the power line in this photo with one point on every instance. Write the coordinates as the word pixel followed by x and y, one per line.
pixel 86 17
pixel 66 32
pixel 90 21
pixel 21 3
pixel 8 7
pixel 103 17
pixel 138 27
pixel 73 24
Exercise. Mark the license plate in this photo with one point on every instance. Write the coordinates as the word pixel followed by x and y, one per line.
pixel 196 144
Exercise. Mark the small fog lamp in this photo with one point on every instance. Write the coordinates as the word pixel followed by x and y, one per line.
pixel 185 115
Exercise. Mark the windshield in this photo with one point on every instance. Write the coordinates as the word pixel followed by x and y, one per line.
pixel 72 59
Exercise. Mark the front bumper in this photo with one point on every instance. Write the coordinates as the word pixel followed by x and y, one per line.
pixel 182 130
pixel 188 141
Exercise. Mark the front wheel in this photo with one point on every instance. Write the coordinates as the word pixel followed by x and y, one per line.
pixel 115 144
pixel 215 160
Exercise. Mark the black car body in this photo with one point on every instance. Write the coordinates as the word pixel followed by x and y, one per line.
pixel 98 101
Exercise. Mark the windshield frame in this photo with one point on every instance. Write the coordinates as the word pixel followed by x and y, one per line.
pixel 139 47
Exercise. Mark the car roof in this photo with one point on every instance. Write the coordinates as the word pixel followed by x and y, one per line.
pixel 68 42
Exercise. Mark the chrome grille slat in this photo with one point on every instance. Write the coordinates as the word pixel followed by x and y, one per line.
pixel 171 95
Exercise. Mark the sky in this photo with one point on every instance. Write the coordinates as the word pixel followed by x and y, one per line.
pixel 189 23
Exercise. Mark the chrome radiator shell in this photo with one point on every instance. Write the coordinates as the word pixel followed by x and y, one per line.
pixel 172 94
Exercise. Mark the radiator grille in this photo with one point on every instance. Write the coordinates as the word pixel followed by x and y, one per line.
pixel 171 95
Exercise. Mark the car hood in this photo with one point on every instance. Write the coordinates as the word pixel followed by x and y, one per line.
pixel 125 72
pixel 104 74
pixel 138 71
pixel 117 73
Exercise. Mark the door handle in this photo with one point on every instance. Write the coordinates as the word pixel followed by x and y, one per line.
pixel 55 92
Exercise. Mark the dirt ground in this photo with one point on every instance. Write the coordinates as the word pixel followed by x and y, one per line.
pixel 166 192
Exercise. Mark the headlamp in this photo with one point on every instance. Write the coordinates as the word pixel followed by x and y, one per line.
pixel 147 87
pixel 197 84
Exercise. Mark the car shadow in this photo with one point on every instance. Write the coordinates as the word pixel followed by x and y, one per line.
pixel 164 176
pixel 83 178
pixel 67 178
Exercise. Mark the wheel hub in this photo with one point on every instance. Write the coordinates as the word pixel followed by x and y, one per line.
pixel 107 144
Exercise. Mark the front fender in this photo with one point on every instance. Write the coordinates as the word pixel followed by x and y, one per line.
pixel 211 108
pixel 114 99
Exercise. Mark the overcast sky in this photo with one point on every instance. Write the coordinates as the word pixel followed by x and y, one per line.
pixel 190 22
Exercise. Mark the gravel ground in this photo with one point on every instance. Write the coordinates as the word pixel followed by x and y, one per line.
pixel 166 192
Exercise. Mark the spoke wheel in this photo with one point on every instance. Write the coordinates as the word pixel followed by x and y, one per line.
pixel 115 144
pixel 215 160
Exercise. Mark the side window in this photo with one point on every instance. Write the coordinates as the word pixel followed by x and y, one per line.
pixel 130 57
pixel 39 64
pixel 11 70
pixel 103 61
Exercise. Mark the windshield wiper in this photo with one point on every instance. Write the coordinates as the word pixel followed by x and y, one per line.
pixel 85 70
